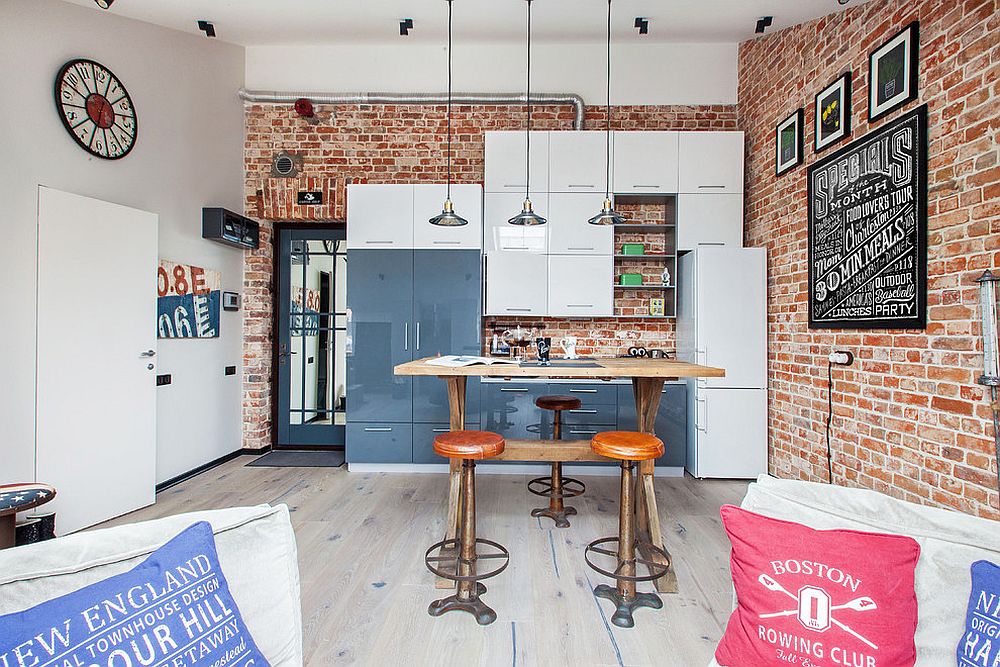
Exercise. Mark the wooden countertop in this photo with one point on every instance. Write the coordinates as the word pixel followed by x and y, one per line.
pixel 562 368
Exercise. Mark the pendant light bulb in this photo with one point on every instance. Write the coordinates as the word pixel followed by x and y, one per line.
pixel 448 217
pixel 527 217
pixel 608 215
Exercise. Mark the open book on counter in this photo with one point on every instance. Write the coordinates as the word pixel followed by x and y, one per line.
pixel 456 361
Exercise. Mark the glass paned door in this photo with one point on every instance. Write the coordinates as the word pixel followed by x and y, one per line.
pixel 312 337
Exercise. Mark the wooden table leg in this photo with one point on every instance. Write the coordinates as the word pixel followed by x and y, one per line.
pixel 647 402
pixel 456 404
pixel 7 531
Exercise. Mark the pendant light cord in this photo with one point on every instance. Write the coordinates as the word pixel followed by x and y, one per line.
pixel 448 196
pixel 527 138
pixel 607 145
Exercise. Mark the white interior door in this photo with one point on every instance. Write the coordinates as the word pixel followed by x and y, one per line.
pixel 96 387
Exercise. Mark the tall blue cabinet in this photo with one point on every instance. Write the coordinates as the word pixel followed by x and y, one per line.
pixel 407 304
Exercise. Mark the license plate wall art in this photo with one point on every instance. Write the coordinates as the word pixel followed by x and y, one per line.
pixel 188 301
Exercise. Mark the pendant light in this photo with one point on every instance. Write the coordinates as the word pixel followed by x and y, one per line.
pixel 527 217
pixel 608 215
pixel 448 217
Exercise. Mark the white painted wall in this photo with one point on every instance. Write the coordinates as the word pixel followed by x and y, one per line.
pixel 646 73
pixel 189 154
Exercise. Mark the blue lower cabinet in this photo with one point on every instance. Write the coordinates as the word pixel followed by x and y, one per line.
pixel 375 442
pixel 671 421
pixel 591 415
pixel 423 442
pixel 509 409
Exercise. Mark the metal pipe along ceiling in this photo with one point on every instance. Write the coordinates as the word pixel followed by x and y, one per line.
pixel 508 99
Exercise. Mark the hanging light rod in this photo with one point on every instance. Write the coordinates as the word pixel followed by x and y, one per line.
pixel 527 217
pixel 448 217
pixel 608 215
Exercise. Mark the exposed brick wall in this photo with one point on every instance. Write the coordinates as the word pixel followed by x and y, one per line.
pixel 404 144
pixel 909 418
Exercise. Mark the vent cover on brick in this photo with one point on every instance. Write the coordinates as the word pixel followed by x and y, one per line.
pixel 286 165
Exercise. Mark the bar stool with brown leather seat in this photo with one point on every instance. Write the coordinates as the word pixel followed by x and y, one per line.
pixel 556 487
pixel 627 447
pixel 469 447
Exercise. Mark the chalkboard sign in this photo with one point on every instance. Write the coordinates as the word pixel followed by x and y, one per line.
pixel 868 230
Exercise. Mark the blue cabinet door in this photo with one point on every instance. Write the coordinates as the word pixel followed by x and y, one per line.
pixel 671 421
pixel 446 320
pixel 423 442
pixel 380 297
pixel 509 409
pixel 379 442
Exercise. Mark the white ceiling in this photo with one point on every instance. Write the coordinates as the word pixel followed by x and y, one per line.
pixel 290 22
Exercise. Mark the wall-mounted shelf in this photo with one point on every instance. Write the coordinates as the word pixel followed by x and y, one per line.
pixel 644 227
pixel 663 287
pixel 660 256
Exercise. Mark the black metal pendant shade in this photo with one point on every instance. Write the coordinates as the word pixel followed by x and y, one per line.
pixel 608 216
pixel 448 217
pixel 527 217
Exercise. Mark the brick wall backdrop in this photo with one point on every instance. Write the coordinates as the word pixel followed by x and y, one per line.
pixel 404 144
pixel 909 418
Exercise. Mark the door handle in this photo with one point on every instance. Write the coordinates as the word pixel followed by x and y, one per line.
pixel 418 336
pixel 698 421
pixel 406 336
pixel 148 353
pixel 384 429
pixel 512 389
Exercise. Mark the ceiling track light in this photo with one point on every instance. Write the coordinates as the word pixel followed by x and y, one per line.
pixel 527 217
pixel 207 27
pixel 405 26
pixel 608 215
pixel 642 25
pixel 448 217
pixel 763 23
pixel 104 4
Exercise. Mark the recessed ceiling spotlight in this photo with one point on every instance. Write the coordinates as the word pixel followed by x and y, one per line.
pixel 207 27
pixel 843 2
pixel 405 26
pixel 642 25
pixel 104 4
pixel 763 23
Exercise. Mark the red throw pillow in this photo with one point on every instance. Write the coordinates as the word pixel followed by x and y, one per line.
pixel 830 598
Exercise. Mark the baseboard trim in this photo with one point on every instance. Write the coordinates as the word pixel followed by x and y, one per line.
pixel 507 469
pixel 185 476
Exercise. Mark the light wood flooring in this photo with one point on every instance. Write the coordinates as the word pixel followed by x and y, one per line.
pixel 361 539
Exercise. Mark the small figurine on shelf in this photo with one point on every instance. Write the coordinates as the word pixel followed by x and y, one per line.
pixel 665 276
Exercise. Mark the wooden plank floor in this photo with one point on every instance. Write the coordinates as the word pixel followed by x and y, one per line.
pixel 361 539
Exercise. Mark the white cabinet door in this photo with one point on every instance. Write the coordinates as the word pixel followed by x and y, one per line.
pixel 569 232
pixel 499 234
pixel 428 201
pixel 379 216
pixel 645 162
pixel 516 283
pixel 709 220
pixel 730 433
pixel 581 286
pixel 710 162
pixel 505 163
pixel 577 161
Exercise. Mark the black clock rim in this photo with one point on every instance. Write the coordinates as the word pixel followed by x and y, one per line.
pixel 65 123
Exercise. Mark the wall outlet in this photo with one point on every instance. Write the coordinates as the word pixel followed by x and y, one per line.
pixel 162 380
pixel 841 358
pixel 230 370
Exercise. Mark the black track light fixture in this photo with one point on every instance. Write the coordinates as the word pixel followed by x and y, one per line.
pixel 104 4
pixel 405 26
pixel 642 25
pixel 207 27
pixel 763 23
pixel 448 217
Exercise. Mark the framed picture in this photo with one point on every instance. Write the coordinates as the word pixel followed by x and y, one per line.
pixel 868 230
pixel 892 72
pixel 788 143
pixel 833 113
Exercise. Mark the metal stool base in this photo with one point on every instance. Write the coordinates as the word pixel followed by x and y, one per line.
pixel 625 607
pixel 484 613
pixel 559 516
pixel 450 554
pixel 571 487
pixel 656 569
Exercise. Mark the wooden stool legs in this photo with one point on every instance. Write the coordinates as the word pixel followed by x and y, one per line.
pixel 556 487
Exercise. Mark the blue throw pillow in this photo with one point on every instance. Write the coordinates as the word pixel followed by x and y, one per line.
pixel 174 609
pixel 980 645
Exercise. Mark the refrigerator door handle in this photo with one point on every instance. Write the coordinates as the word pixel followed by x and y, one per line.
pixel 406 336
pixel 701 356
pixel 701 416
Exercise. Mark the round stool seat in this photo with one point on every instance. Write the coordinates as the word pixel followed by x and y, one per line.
pixel 627 445
pixel 468 444
pixel 558 402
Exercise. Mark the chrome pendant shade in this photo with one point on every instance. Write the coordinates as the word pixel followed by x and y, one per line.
pixel 608 215
pixel 448 217
pixel 527 217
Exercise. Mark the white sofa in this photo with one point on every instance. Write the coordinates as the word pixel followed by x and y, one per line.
pixel 257 554
pixel 949 543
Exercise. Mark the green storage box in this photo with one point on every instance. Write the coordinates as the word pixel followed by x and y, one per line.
pixel 631 279
pixel 633 249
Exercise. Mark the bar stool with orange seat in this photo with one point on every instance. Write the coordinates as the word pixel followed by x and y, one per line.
pixel 627 447
pixel 556 487
pixel 469 447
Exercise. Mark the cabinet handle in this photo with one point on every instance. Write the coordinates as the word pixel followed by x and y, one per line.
pixel 719 243
pixel 445 242
pixel 516 247
pixel 518 310
pixel 440 430
pixel 406 336
pixel 647 187
pixel 579 305
pixel 583 412
pixel 379 242
pixel 513 389
pixel 583 391
pixel 515 185
pixel 418 336
pixel 581 186
pixel 580 248
pixel 711 187
pixel 583 432
pixel 383 429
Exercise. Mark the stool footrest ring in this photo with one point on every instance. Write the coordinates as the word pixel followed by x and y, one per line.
pixel 571 487
pixel 455 558
pixel 656 569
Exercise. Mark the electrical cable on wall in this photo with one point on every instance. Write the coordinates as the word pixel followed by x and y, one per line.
pixel 841 358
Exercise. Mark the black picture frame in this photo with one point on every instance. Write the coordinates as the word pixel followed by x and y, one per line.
pixel 832 113
pixel 872 226
pixel 901 52
pixel 783 161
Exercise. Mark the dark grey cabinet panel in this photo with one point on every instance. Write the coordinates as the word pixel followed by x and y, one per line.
pixel 381 302
pixel 671 421
pixel 590 394
pixel 446 305
pixel 379 442
pixel 509 409
pixel 423 442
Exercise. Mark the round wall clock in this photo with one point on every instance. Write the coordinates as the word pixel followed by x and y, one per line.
pixel 96 109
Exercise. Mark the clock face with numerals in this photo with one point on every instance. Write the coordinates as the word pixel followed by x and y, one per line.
pixel 96 109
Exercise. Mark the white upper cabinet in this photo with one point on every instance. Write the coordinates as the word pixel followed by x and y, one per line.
pixel 498 234
pixel 516 283
pixel 505 163
pixel 379 216
pixel 581 286
pixel 709 219
pixel 569 232
pixel 645 162
pixel 710 162
pixel 428 201
pixel 577 161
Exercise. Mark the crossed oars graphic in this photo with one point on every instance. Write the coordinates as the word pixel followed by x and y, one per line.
pixel 858 604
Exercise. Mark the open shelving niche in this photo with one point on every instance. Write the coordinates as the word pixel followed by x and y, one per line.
pixel 652 221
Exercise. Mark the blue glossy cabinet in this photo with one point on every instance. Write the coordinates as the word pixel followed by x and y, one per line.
pixel 671 421
pixel 510 410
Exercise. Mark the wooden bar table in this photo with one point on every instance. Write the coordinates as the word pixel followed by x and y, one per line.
pixel 647 376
